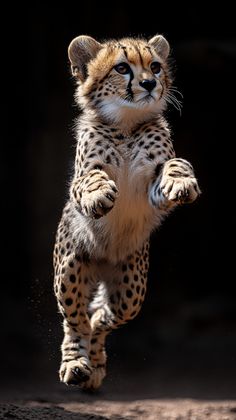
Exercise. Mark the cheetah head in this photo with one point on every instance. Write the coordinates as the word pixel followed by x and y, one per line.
pixel 123 81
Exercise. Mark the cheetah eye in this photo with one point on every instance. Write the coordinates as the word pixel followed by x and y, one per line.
pixel 123 68
pixel 155 67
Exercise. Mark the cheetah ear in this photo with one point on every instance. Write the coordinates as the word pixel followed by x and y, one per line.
pixel 160 45
pixel 81 50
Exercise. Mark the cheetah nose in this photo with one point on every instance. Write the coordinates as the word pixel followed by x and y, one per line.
pixel 148 84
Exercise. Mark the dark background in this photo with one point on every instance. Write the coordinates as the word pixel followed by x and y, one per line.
pixel 187 325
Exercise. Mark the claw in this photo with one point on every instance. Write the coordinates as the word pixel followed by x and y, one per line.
pixel 109 196
pixel 114 189
pixel 95 214
pixel 79 376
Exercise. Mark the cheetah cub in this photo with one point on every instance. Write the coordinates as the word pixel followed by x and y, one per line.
pixel 126 180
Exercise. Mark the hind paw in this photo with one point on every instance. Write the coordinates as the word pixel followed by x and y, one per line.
pixel 95 379
pixel 75 372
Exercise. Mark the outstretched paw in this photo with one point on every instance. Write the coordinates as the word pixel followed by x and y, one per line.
pixel 99 202
pixel 180 190
pixel 178 182
pixel 75 372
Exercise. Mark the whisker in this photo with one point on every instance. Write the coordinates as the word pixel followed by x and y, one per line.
pixel 175 90
pixel 173 101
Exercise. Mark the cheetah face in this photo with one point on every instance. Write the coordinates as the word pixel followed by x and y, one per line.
pixel 123 79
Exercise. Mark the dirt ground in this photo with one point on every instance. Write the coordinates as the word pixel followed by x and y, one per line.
pixel 140 409
pixel 144 395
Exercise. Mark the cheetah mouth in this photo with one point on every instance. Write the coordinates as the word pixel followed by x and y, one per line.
pixel 146 99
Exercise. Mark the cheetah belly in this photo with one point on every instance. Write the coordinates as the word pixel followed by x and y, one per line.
pixel 131 220
pixel 125 228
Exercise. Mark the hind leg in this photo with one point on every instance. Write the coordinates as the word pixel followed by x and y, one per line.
pixel 122 301
pixel 98 360
pixel 72 289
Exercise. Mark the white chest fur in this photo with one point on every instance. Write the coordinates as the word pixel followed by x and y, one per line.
pixel 132 218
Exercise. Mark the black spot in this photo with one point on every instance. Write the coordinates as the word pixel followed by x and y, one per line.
pixel 74 314
pixel 129 293
pixel 151 156
pixel 63 288
pixel 124 267
pixel 72 278
pixel 74 290
pixel 131 266
pixel 124 306
pixel 135 302
pixel 135 277
pixel 126 279
pixel 94 340
pixel 68 301
pixel 108 159
pixel 119 137
pixel 138 289
pixel 71 264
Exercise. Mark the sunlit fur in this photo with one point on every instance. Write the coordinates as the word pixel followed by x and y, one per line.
pixel 126 180
pixel 105 90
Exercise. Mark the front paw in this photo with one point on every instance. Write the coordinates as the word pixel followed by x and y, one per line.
pixel 99 202
pixel 178 182
pixel 180 190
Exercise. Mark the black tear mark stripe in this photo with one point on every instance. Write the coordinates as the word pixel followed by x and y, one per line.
pixel 129 91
